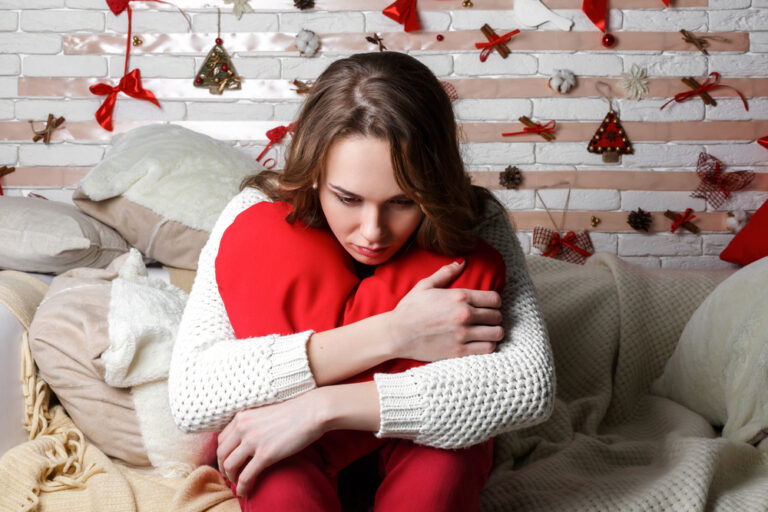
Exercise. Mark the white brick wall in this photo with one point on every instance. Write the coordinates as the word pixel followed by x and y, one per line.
pixel 31 46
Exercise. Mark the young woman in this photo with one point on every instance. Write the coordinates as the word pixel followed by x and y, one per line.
pixel 375 165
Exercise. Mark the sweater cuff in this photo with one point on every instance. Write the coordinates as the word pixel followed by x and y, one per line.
pixel 291 375
pixel 400 405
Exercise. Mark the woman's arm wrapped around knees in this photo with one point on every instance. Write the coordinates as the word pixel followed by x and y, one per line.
pixel 455 403
pixel 213 375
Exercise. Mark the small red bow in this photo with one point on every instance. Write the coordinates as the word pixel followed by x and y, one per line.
pixel 487 47
pixel 568 240
pixel 709 84
pixel 130 84
pixel 404 12
pixel 715 185
pixel 275 136
pixel 682 219
pixel 537 129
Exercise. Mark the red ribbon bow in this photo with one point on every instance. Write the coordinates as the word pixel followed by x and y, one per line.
pixel 710 84
pixel 130 84
pixel 763 141
pixel 715 185
pixel 276 135
pixel 682 219
pixel 487 47
pixel 404 12
pixel 557 243
pixel 538 129
pixel 596 11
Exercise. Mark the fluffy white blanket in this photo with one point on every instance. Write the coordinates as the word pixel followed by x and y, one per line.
pixel 609 444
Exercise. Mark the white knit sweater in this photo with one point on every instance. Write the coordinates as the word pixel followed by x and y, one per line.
pixel 452 403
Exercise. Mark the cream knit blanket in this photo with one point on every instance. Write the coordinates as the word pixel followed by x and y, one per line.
pixel 609 445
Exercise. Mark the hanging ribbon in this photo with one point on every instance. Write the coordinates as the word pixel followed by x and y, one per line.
pixel 710 84
pixel 538 129
pixel 763 141
pixel 275 136
pixel 487 47
pixel 682 219
pixel 404 12
pixel 568 241
pixel 130 84
pixel 596 11
pixel 666 2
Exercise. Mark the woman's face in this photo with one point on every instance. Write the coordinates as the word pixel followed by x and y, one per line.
pixel 365 208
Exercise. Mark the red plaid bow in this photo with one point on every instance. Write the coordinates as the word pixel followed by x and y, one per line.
pixel 715 185
pixel 574 247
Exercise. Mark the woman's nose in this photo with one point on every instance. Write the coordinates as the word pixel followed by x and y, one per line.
pixel 371 224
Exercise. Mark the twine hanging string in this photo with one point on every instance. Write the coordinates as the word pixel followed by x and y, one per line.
pixel 604 89
pixel 710 84
pixel 565 208
pixel 557 242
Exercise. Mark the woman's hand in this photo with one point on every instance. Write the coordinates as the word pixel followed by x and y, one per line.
pixel 257 438
pixel 432 323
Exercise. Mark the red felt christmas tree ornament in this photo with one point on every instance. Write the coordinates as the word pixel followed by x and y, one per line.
pixel 610 140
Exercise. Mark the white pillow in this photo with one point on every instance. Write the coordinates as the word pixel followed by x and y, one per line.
pixel 720 365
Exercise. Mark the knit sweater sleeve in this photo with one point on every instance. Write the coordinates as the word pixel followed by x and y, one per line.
pixel 213 375
pixel 455 403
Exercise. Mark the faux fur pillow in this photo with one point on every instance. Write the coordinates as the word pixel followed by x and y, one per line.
pixel 102 340
pixel 162 187
pixel 718 368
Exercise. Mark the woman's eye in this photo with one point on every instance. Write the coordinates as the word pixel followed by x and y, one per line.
pixel 347 199
pixel 403 202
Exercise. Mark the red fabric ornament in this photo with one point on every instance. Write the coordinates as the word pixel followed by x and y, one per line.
pixel 610 140
pixel 715 185
pixel 275 136
pixel 404 12
pixel 710 84
pixel 574 247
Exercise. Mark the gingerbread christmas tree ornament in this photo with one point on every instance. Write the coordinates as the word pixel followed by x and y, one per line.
pixel 217 72
pixel 610 139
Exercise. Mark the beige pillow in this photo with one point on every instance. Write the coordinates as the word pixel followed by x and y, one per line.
pixel 718 368
pixel 67 337
pixel 37 235
pixel 162 187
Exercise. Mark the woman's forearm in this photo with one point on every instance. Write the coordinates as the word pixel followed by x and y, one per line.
pixel 343 352
pixel 349 407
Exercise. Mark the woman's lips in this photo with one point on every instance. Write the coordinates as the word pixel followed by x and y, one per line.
pixel 367 251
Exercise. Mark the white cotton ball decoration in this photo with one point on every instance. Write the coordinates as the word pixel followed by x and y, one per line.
pixel 736 220
pixel 307 42
pixel 562 81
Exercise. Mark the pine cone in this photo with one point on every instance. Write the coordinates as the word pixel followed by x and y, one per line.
pixel 511 178
pixel 639 220
pixel 304 4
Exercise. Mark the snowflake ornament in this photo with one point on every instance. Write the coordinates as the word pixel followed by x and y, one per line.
pixel 635 83
pixel 239 7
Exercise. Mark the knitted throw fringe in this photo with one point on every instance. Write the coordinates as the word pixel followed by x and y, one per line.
pixel 66 454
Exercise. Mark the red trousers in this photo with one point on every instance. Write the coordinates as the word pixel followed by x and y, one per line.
pixel 413 477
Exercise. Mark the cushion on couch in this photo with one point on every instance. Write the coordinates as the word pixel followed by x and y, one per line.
pixel 37 235
pixel 163 187
pixel 751 243
pixel 102 340
pixel 718 366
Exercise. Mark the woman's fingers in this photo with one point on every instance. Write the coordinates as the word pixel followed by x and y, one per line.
pixel 234 461
pixel 485 316
pixel 248 476
pixel 483 298
pixel 479 347
pixel 443 277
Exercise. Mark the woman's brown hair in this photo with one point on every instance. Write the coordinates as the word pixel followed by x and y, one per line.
pixel 393 97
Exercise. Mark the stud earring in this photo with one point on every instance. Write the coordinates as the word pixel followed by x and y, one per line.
pixel 314 185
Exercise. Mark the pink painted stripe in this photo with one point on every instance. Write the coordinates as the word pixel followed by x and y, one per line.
pixel 423 5
pixel 610 221
pixel 467 88
pixel 608 180
pixel 638 131
pixel 464 40
pixel 589 180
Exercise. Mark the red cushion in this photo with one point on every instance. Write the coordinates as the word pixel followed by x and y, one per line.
pixel 751 243
pixel 275 277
